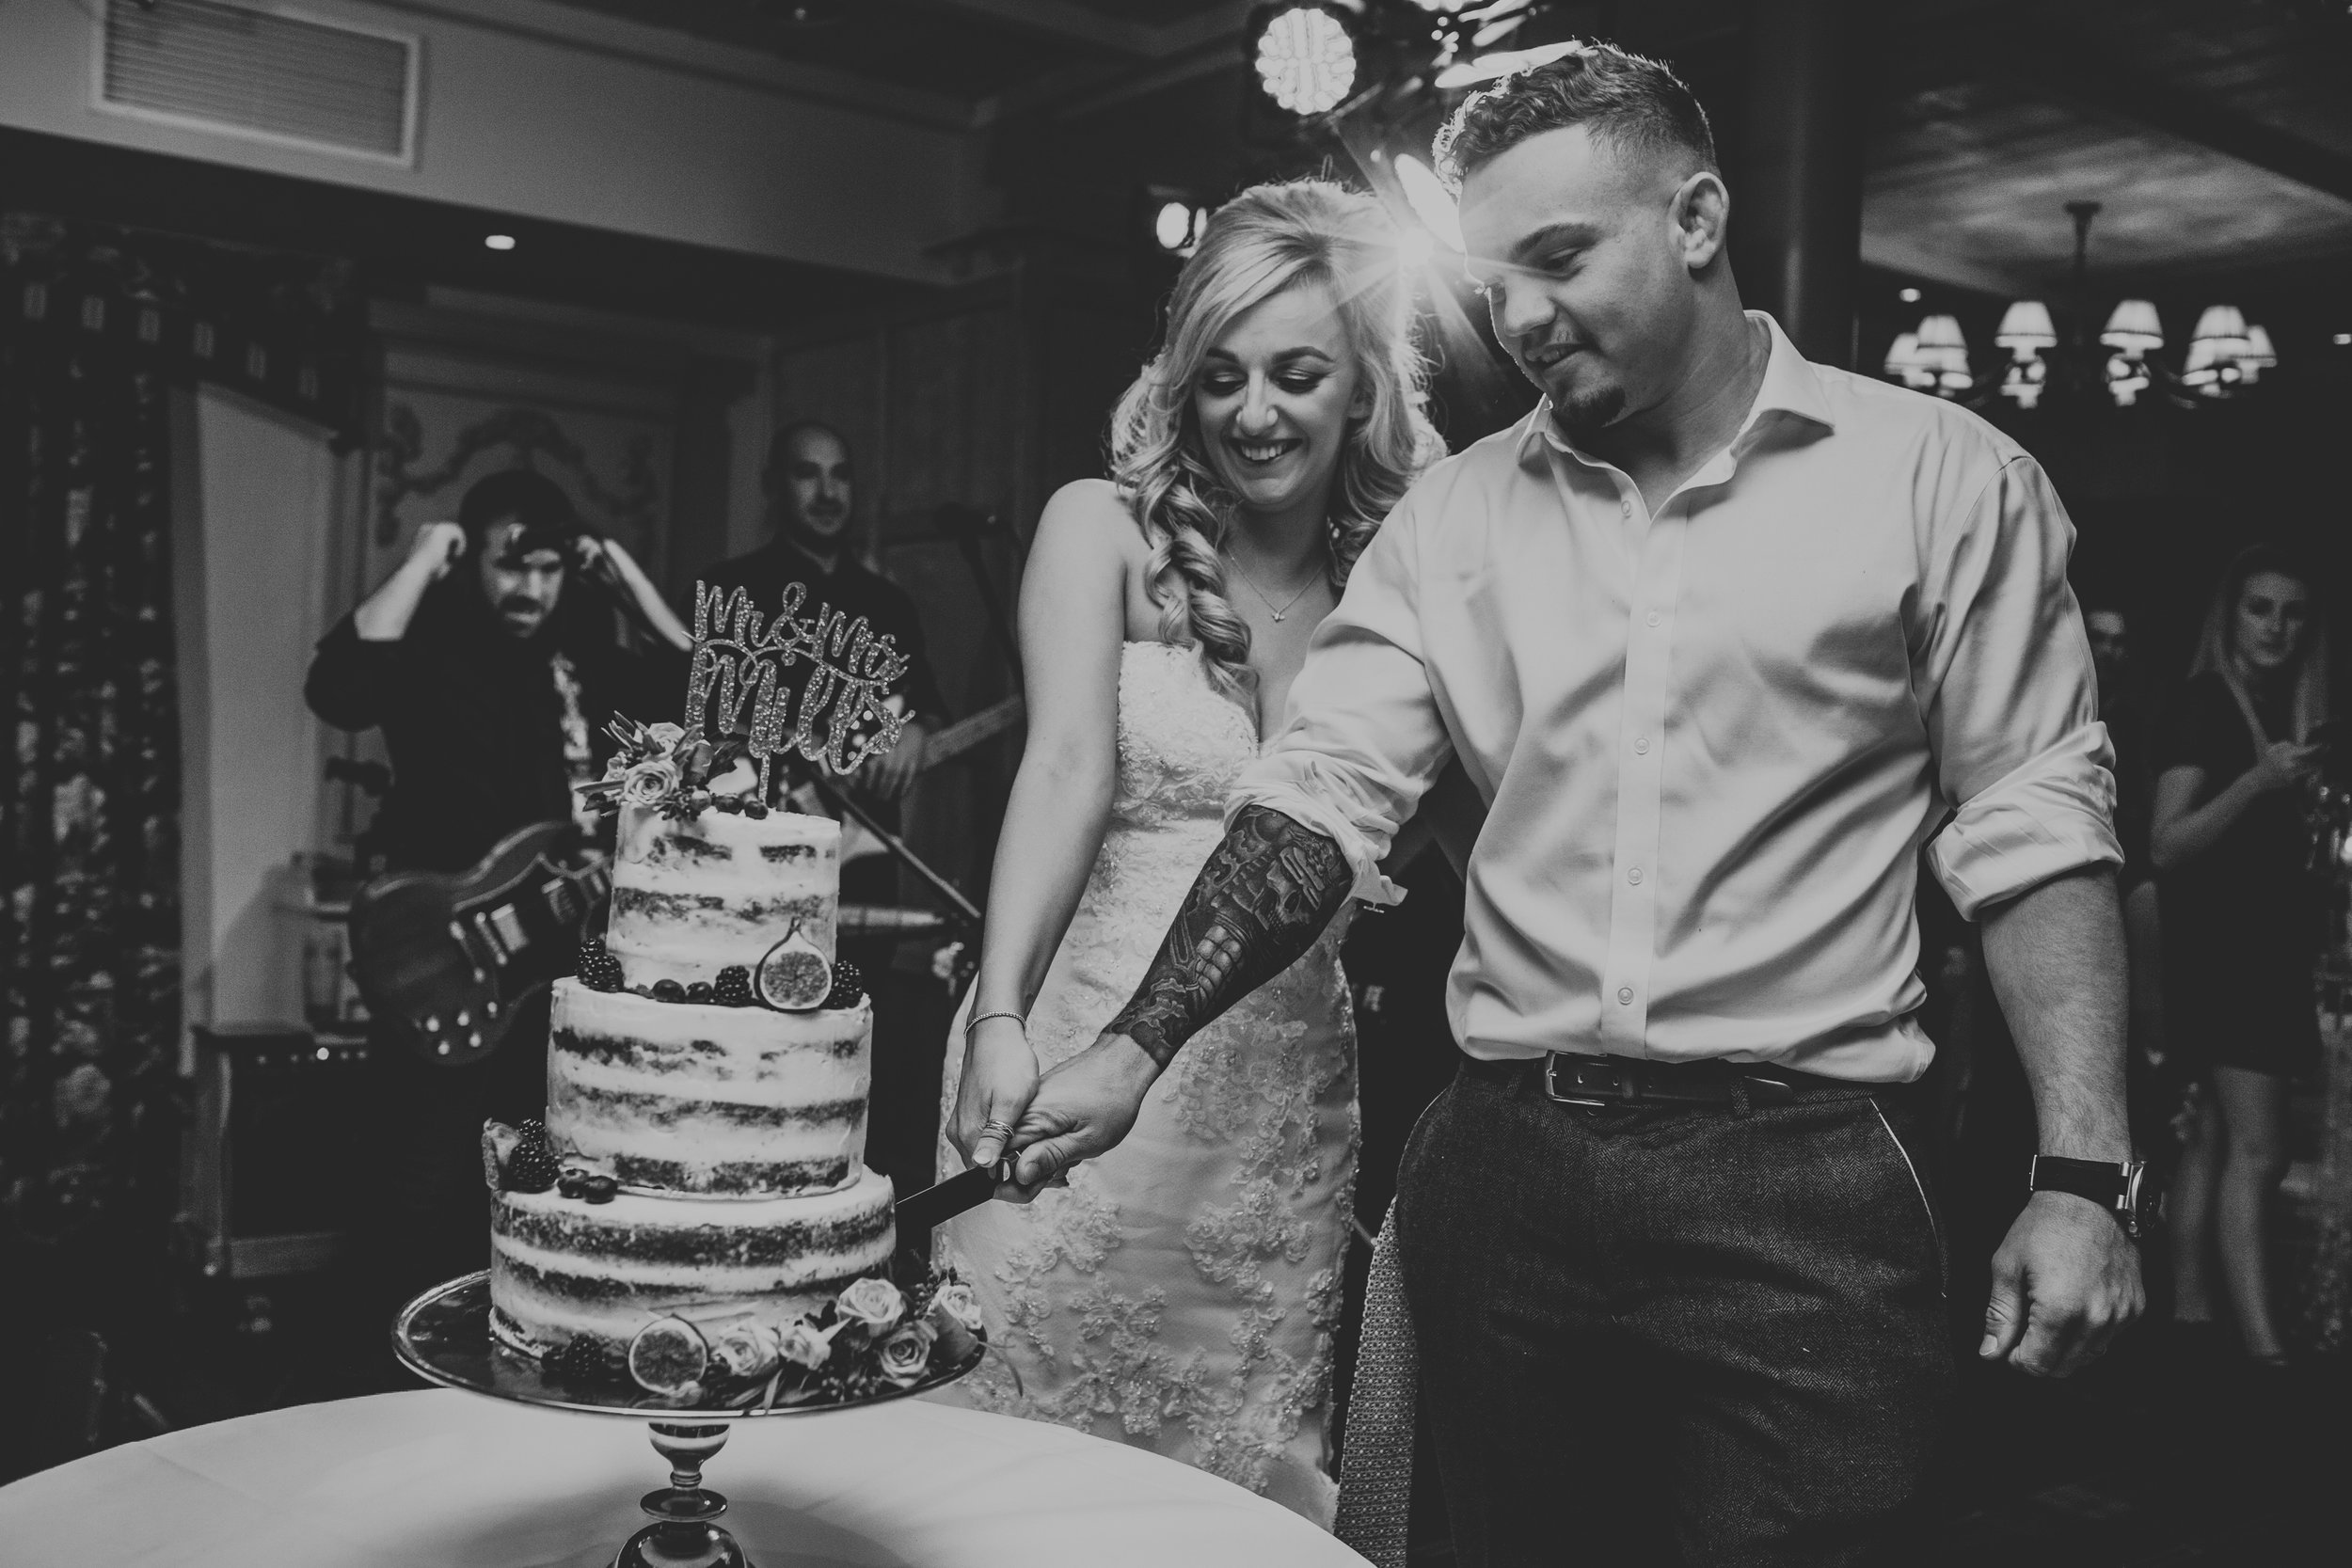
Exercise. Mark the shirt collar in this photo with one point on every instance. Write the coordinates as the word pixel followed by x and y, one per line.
pixel 1791 385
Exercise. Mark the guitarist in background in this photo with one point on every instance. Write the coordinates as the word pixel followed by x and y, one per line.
pixel 489 659
pixel 811 488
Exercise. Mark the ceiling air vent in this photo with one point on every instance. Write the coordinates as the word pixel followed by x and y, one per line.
pixel 261 75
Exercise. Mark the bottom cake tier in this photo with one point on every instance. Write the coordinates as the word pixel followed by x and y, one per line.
pixel 563 1267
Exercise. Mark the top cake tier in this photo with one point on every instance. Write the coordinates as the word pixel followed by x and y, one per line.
pixel 693 897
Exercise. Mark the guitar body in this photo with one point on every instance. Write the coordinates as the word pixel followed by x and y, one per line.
pixel 452 956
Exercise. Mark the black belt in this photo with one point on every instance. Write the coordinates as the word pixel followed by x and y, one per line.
pixel 1600 1082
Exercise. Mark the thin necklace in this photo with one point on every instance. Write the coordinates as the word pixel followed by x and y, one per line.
pixel 1282 609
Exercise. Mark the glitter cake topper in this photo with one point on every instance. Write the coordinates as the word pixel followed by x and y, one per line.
pixel 843 715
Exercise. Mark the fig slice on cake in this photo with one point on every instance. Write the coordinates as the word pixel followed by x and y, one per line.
pixel 794 976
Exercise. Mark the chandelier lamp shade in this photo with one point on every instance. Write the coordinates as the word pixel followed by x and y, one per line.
pixel 2134 327
pixel 2027 329
pixel 2225 352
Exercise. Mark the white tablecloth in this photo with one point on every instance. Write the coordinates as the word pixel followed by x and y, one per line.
pixel 437 1477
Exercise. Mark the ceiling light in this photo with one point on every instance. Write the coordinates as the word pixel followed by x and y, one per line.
pixel 1172 225
pixel 1907 364
pixel 499 242
pixel 1908 296
pixel 1487 68
pixel 2025 379
pixel 2343 339
pixel 1941 332
pixel 2259 356
pixel 2127 377
pixel 2223 326
pixel 1305 58
pixel 2134 327
pixel 1432 203
pixel 2025 328
pixel 2210 368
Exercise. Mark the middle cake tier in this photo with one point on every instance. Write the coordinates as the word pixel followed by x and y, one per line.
pixel 728 1101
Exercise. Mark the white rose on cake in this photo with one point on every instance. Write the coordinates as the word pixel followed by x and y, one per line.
pixel 874 1302
pixel 648 782
pixel 804 1345
pixel 907 1355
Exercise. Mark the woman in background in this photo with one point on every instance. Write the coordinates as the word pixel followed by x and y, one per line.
pixel 1180 1293
pixel 2242 923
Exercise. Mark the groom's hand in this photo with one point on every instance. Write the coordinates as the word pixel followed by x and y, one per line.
pixel 2064 1283
pixel 1082 1109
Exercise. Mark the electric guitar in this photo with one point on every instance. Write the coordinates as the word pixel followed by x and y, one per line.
pixel 452 956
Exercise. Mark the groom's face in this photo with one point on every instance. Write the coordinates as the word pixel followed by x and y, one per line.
pixel 1575 243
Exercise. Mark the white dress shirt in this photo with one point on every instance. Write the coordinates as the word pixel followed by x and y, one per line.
pixel 1711 739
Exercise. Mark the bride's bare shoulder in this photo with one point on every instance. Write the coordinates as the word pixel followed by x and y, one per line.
pixel 1089 519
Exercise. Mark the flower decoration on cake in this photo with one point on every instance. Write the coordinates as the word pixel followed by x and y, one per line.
pixel 872 1338
pixel 660 766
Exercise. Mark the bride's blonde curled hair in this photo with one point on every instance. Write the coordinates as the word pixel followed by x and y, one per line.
pixel 1270 238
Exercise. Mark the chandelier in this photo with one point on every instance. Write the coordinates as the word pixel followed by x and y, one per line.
pixel 2123 365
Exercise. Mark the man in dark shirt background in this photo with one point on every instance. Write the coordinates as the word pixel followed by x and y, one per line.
pixel 811 489
pixel 490 660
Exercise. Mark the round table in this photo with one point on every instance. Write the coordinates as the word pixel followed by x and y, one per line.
pixel 439 1477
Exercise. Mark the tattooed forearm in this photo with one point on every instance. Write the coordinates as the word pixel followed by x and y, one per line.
pixel 1260 901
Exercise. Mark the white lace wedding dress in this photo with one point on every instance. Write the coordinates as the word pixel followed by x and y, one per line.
pixel 1181 1293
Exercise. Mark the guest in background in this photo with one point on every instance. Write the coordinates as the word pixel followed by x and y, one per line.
pixel 811 487
pixel 492 674
pixel 2241 923
pixel 812 492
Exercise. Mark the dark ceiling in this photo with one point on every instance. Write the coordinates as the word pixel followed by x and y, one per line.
pixel 2217 133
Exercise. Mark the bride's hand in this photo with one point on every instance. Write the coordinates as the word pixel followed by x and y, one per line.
pixel 999 1076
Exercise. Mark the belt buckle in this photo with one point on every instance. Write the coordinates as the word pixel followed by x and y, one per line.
pixel 1551 1086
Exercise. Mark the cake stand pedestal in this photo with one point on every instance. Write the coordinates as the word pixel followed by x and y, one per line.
pixel 444 1337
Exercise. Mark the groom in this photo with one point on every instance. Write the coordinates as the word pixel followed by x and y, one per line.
pixel 1722 637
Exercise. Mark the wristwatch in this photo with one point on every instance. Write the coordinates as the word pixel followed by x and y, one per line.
pixel 2117 1188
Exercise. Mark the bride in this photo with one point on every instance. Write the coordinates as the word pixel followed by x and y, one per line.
pixel 1179 1292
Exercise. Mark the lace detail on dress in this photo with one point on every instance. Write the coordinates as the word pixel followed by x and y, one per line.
pixel 1181 1293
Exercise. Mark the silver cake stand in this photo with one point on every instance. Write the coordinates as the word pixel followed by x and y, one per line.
pixel 444 1337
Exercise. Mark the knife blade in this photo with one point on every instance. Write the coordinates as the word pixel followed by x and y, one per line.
pixel 964 1191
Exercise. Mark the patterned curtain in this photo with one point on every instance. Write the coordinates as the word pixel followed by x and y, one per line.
pixel 89 826
pixel 96 326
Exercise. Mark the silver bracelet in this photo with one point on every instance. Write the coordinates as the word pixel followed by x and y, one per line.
pixel 978 1018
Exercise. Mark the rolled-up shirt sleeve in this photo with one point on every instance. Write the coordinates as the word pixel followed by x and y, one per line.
pixel 2004 674
pixel 1363 738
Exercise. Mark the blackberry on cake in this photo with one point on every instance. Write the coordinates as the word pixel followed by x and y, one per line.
pixel 598 970
pixel 733 988
pixel 848 986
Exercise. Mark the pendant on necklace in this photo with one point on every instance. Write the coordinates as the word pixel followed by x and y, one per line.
pixel 1278 617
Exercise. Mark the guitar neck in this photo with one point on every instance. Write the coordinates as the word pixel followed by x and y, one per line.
pixel 964 734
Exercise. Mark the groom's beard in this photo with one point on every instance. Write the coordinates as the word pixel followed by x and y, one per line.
pixel 1584 414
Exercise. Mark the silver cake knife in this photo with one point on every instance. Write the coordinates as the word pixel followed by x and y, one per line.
pixel 936 1205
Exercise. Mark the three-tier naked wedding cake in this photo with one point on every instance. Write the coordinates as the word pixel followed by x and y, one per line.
pixel 706 1093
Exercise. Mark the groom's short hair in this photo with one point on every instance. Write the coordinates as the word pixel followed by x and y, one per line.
pixel 1636 104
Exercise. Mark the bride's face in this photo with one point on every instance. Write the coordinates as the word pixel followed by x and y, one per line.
pixel 1274 397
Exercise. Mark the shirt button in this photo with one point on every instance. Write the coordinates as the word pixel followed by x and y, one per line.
pixel 1625 994
pixel 1640 744
pixel 1653 617
pixel 1625 509
pixel 1634 876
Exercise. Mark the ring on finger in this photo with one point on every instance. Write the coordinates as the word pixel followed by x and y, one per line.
pixel 1002 1129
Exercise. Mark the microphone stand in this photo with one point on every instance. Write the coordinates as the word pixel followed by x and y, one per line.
pixel 965 525
pixel 799 771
